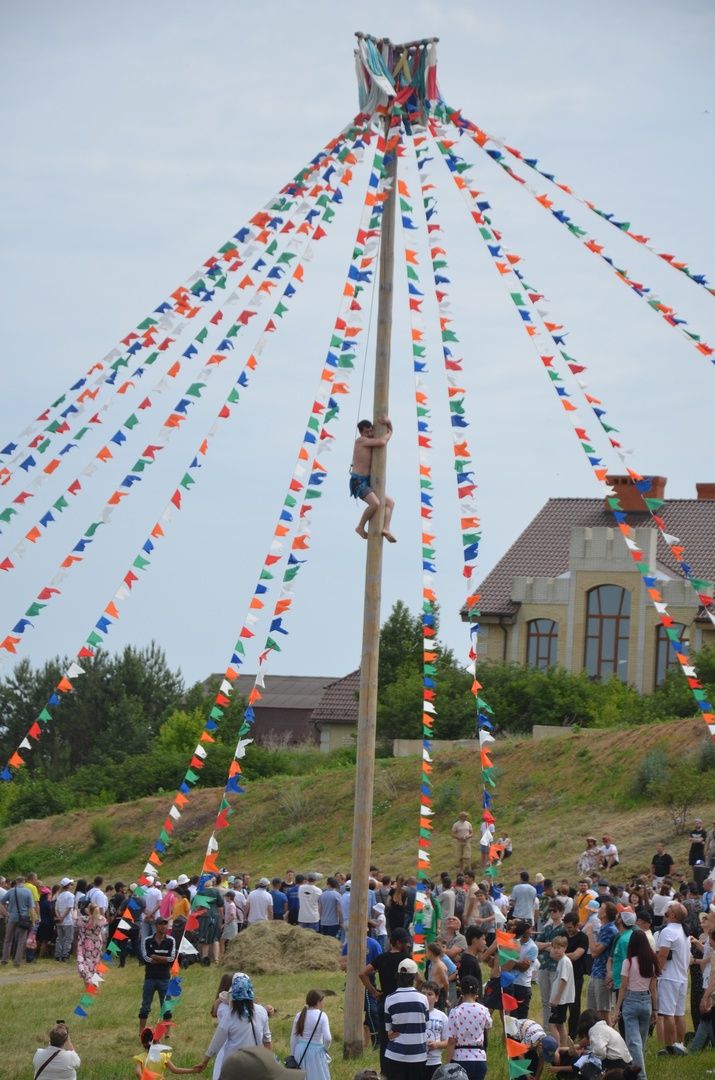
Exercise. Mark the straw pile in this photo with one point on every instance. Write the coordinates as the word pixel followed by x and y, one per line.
pixel 268 948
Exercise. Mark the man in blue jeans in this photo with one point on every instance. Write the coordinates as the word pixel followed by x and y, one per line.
pixel 158 953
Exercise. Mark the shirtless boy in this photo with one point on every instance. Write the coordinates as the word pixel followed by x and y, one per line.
pixel 360 476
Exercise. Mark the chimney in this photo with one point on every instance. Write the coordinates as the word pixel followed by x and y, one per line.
pixel 705 492
pixel 630 498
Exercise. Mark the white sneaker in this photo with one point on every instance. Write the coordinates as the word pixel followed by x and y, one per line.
pixel 679 1049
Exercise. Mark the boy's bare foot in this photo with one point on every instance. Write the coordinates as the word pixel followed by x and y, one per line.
pixel 361 532
pixel 389 537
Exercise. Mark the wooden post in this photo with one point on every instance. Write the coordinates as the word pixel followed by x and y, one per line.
pixel 367 707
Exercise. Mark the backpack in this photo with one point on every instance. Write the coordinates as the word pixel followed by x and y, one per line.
pixel 459 901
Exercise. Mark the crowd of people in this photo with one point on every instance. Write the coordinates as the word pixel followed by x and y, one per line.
pixel 615 964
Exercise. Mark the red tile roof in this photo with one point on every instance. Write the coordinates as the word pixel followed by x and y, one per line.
pixel 542 550
pixel 339 703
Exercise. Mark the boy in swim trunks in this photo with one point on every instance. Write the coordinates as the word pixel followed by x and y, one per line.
pixel 360 476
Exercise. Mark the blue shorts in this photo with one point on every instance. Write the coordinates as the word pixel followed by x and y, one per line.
pixel 359 486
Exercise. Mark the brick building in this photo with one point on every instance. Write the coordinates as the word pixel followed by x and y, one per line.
pixel 566 591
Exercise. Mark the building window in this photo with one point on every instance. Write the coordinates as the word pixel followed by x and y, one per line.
pixel 608 617
pixel 542 639
pixel 664 651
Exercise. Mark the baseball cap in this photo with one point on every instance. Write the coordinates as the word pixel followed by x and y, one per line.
pixel 628 917
pixel 172 884
pixel 263 882
pixel 407 966
pixel 66 881
pixel 161 919
pixel 347 885
pixel 593 905
pixel 549 1046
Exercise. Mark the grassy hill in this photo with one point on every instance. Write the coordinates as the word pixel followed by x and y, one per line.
pixel 549 794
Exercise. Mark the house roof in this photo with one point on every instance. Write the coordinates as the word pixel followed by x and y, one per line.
pixel 542 550
pixel 282 691
pixel 339 703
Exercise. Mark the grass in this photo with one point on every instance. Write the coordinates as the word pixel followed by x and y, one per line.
pixel 106 1040
pixel 548 795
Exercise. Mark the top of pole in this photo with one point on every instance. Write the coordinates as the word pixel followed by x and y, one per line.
pixel 391 72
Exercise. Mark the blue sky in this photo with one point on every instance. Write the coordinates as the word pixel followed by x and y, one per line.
pixel 136 139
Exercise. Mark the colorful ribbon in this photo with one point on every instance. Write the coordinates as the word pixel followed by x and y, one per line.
pixel 271 269
pixel 181 304
pixel 142 561
pixel 668 313
pixel 493 241
pixel 612 219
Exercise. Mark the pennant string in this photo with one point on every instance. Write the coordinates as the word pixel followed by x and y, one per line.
pixel 623 226
pixel 493 240
pixel 666 311
pixel 272 264
pixel 142 561
pixel 180 305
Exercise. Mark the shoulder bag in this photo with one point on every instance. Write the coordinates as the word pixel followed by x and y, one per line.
pixel 290 1062
pixel 44 1064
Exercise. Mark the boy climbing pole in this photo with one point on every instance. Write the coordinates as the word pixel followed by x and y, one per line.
pixel 360 476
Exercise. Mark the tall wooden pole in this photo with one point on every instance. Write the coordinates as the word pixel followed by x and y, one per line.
pixel 367 707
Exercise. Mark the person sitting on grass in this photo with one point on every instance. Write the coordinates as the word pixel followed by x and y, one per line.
pixel 156 1059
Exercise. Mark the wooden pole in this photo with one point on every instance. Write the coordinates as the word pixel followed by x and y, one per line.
pixel 367 707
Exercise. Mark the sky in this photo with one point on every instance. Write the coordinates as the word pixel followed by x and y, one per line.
pixel 137 139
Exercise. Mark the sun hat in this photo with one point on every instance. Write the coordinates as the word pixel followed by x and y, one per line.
pixel 172 884
pixel 407 966
pixel 182 880
pixel 539 878
pixel 241 987
pixel 256 1063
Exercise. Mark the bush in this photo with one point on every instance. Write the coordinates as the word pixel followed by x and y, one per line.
pixel 101 833
pixel 650 775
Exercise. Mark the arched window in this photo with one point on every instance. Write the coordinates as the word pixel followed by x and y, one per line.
pixel 664 651
pixel 542 639
pixel 608 618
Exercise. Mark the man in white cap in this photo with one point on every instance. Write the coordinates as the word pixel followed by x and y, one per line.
pixel 406 1012
pixel 64 919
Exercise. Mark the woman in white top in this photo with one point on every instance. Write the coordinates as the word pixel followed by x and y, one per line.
pixel 637 995
pixel 241 1024
pixel 310 1038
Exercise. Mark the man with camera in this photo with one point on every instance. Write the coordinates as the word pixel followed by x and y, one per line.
pixel 59 1060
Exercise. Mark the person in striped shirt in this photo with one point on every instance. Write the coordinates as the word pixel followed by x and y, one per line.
pixel 406 1013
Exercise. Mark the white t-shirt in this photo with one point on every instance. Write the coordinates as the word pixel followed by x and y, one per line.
pixel 96 896
pixel 609 851
pixel 260 906
pixel 62 1067
pixel 437 1031
pixel 672 937
pixel 64 909
pixel 564 971
pixel 660 903
pixel 308 896
pixel 152 898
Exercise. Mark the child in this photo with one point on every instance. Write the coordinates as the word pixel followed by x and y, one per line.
pixel 437 1034
pixel 437 973
pixel 157 1059
pixel 230 920
pixel 563 991
pixel 310 1038
pixel 380 926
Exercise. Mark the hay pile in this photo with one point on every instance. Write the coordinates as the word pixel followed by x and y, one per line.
pixel 268 948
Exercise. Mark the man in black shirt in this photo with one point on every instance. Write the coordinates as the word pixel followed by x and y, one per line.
pixel 469 960
pixel 158 953
pixel 385 966
pixel 576 950
pixel 662 862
